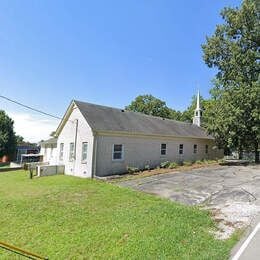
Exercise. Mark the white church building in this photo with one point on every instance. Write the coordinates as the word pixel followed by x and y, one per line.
pixel 94 140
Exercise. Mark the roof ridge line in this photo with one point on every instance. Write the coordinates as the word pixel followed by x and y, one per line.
pixel 138 113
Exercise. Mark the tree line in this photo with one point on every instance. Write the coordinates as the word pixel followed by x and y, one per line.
pixel 8 138
pixel 150 105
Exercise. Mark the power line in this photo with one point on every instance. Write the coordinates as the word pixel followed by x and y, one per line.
pixel 28 107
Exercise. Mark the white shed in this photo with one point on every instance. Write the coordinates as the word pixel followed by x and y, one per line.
pixel 49 151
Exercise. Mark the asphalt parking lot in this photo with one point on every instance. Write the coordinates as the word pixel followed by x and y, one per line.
pixel 231 193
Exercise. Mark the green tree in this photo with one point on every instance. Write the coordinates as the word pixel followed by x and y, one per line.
pixel 19 139
pixel 175 115
pixel 150 105
pixel 7 135
pixel 187 115
pixel 234 51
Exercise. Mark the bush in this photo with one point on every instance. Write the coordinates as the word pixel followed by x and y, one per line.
pixel 187 163
pixel 199 162
pixel 173 165
pixel 132 170
pixel 165 164
pixel 210 161
pixel 180 163
pixel 147 167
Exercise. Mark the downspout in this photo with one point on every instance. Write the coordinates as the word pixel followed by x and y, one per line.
pixel 94 157
pixel 76 137
pixel 75 146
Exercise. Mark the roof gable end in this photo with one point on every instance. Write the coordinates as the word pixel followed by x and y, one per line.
pixel 66 116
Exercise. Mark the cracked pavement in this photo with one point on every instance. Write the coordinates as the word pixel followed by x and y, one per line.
pixel 231 193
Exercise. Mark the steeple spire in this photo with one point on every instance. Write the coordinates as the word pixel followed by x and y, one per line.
pixel 198 101
pixel 198 112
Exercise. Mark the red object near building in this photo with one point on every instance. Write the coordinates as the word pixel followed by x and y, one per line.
pixel 4 159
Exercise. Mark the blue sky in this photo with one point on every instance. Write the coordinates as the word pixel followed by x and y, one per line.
pixel 104 52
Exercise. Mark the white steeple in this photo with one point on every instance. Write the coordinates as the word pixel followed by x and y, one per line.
pixel 198 112
pixel 198 100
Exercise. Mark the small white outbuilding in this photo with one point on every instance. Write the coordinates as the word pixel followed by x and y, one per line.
pixel 49 150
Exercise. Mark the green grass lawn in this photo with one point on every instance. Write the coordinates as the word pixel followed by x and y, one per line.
pixel 4 166
pixel 65 217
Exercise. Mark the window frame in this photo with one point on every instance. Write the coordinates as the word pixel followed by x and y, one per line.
pixel 61 153
pixel 206 149
pixel 195 148
pixel 121 152
pixel 72 152
pixel 84 152
pixel 163 149
pixel 181 149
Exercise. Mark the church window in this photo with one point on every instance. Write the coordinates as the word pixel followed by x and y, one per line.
pixel 195 148
pixel 181 149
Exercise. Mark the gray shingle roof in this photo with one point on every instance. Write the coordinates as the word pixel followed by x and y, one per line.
pixel 102 118
pixel 52 140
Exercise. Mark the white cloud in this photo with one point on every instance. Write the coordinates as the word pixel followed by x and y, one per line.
pixel 31 127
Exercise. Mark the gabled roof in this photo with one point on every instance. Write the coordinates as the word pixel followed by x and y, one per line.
pixel 102 118
pixel 52 140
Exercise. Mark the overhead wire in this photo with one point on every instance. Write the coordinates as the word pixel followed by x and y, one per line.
pixel 29 107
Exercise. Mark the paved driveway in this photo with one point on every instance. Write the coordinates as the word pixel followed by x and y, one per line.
pixel 232 193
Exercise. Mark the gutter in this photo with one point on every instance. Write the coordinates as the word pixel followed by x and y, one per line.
pixel 76 137
pixel 141 135
pixel 94 156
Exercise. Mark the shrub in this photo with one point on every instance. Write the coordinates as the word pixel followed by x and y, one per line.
pixel 221 160
pixel 147 167
pixel 199 162
pixel 187 163
pixel 132 170
pixel 180 163
pixel 165 164
pixel 210 161
pixel 173 165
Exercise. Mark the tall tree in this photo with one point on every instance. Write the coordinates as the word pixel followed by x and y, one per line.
pixel 234 51
pixel 19 139
pixel 187 115
pixel 7 135
pixel 175 114
pixel 150 105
